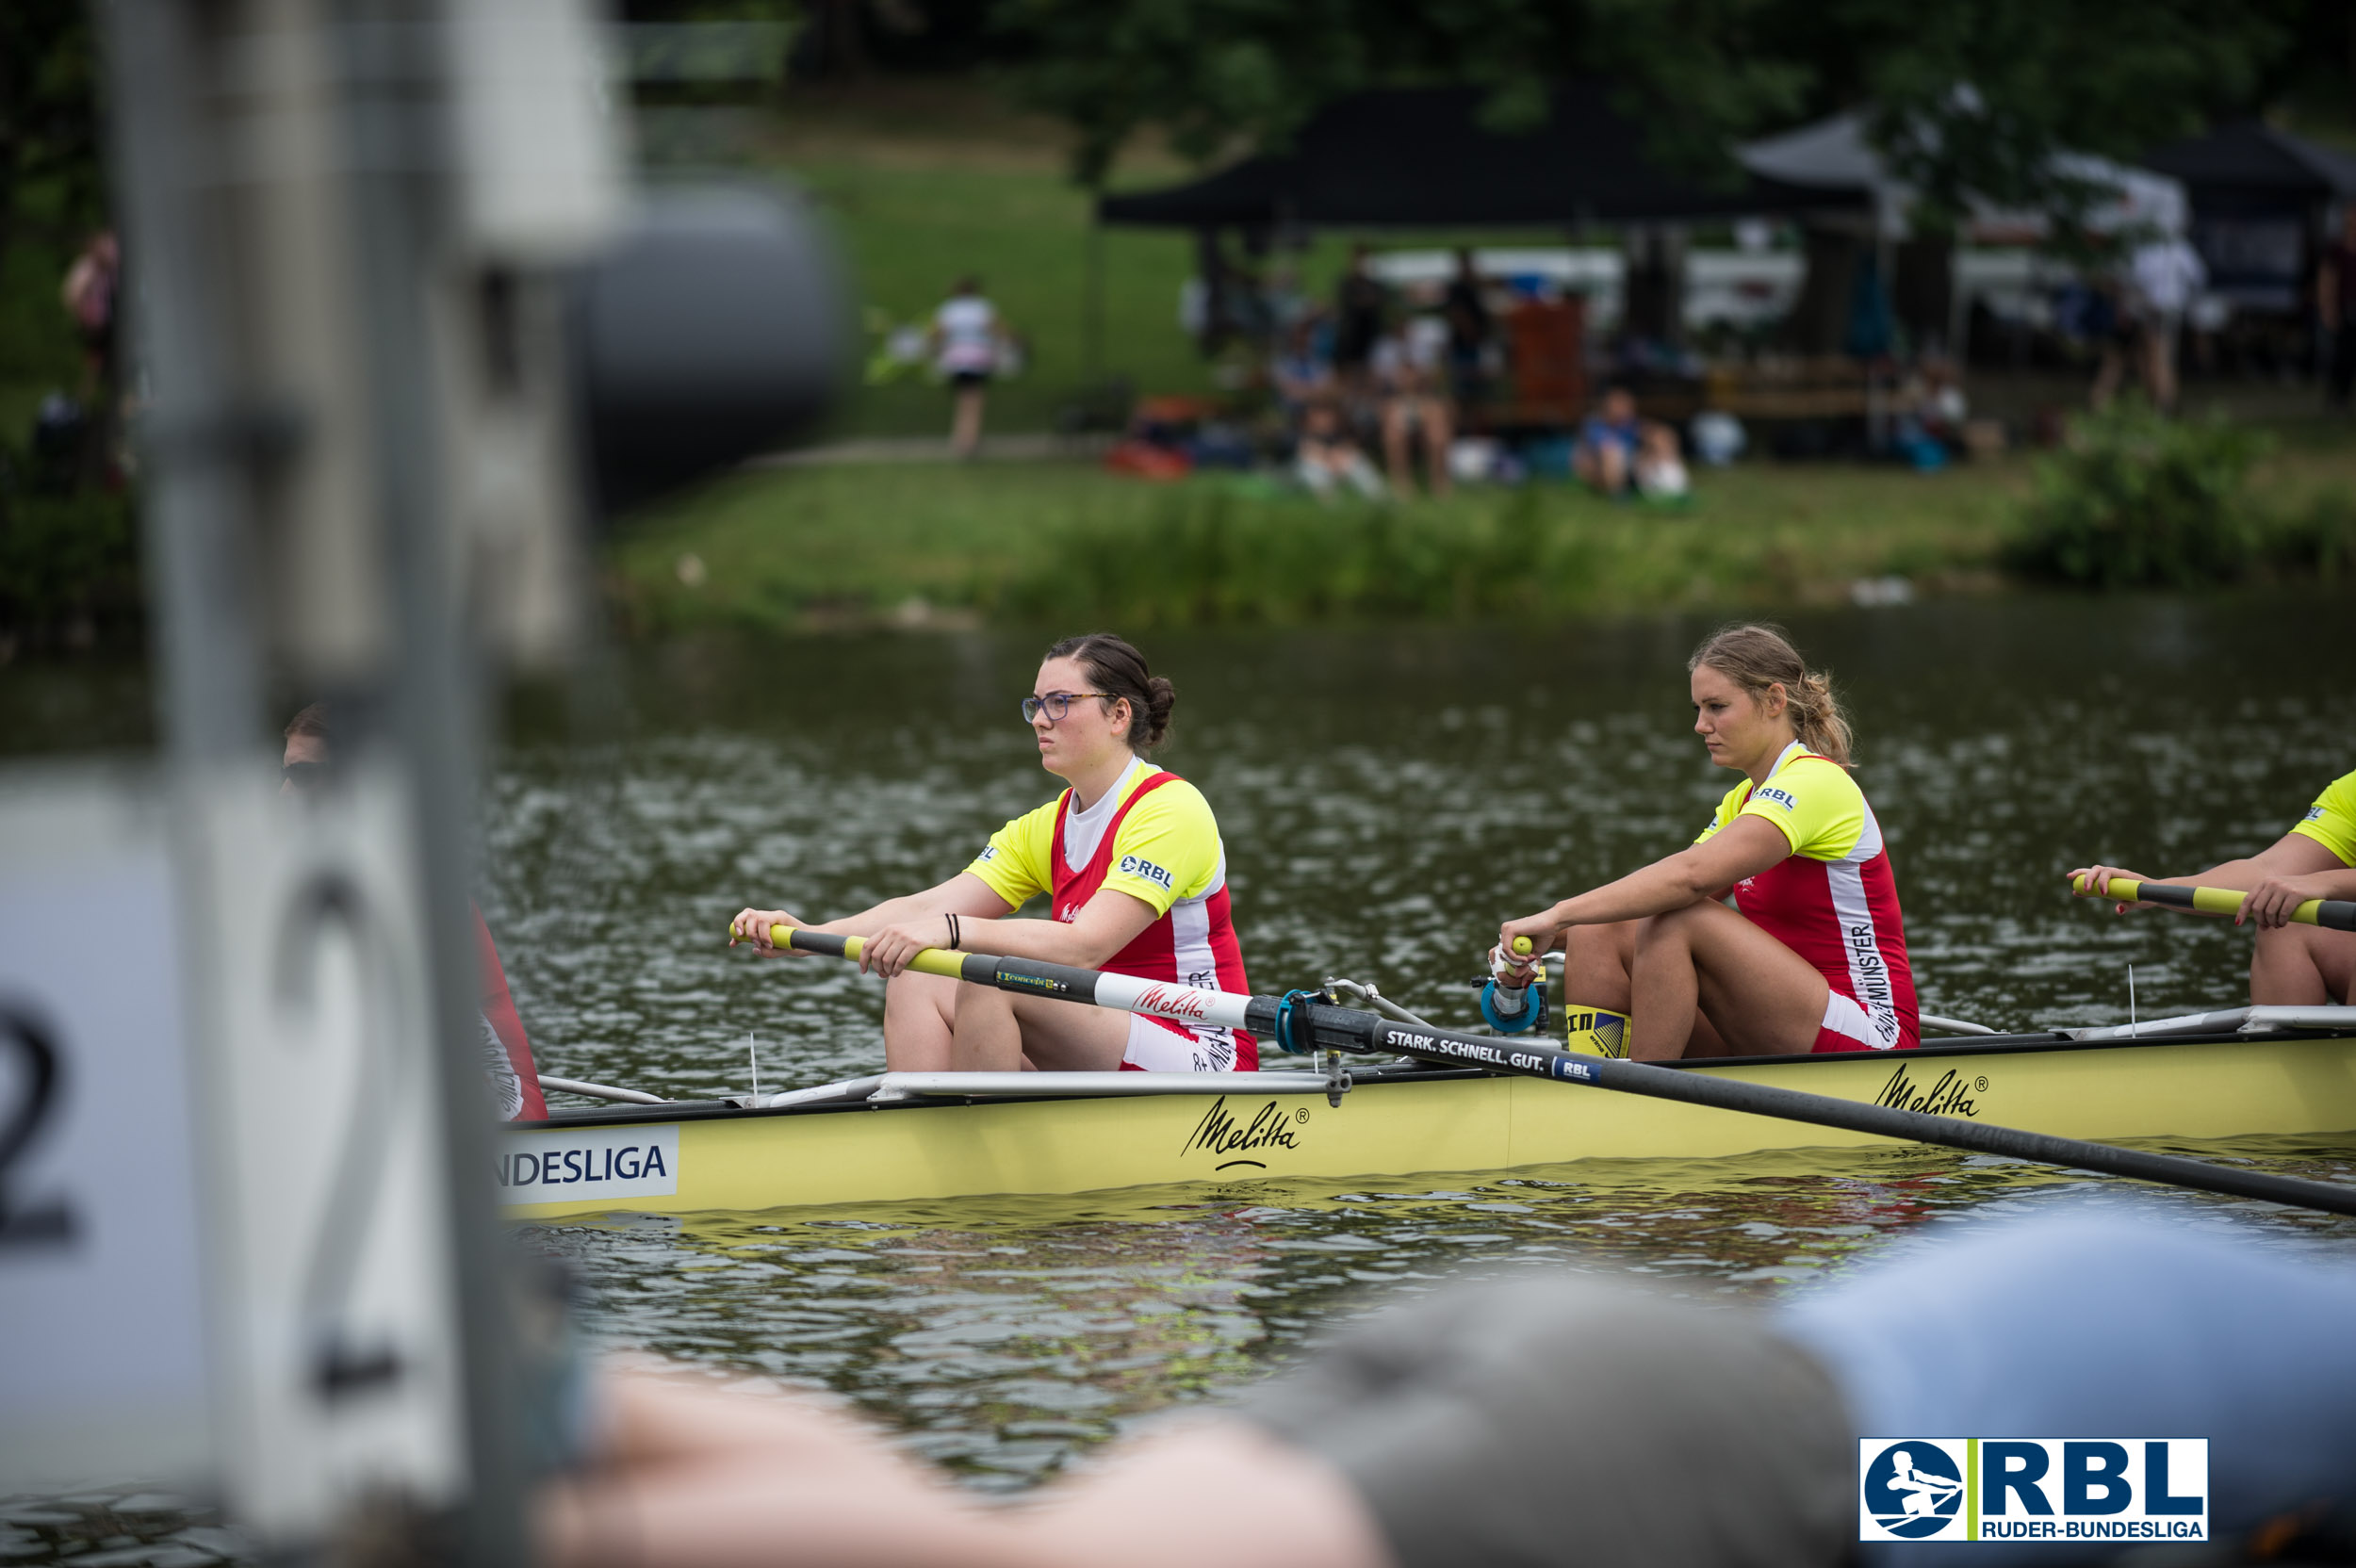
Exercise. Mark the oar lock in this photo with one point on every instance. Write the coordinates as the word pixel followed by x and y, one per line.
pixel 1296 1034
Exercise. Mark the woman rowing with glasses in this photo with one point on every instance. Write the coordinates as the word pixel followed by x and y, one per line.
pixel 1130 856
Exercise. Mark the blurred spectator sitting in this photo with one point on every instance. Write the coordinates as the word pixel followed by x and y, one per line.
pixel 1608 442
pixel 1299 371
pixel 1360 304
pixel 1469 329
pixel 1412 406
pixel 1660 467
pixel 1324 456
pixel 1284 302
pixel 1931 411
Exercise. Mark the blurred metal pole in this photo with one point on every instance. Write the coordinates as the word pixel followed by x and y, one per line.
pixel 200 438
pixel 399 146
pixel 201 189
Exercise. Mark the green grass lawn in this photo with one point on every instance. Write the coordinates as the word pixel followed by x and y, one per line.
pixel 808 548
pixel 811 546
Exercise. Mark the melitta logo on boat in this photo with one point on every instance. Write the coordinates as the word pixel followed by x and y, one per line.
pixel 1134 865
pixel 1950 1094
pixel 593 1163
pixel 2090 1489
pixel 1271 1127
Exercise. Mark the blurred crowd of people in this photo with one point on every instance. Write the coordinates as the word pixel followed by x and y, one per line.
pixel 1381 372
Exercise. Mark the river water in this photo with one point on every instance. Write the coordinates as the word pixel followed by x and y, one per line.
pixel 1385 796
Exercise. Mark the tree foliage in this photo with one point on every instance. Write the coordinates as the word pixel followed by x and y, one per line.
pixel 1968 94
pixel 48 111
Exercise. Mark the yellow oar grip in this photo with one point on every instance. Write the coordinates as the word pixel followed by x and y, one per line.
pixel 2208 901
pixel 1521 947
pixel 931 960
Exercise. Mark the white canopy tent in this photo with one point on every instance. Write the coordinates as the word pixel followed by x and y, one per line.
pixel 1834 155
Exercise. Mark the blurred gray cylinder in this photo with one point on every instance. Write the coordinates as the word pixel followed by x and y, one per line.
pixel 713 330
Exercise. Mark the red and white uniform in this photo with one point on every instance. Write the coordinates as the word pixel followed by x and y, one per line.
pixel 1835 902
pixel 506 1053
pixel 1153 837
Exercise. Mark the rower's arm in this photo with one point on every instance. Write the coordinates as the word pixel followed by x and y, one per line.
pixel 1746 847
pixel 1108 922
pixel 2292 854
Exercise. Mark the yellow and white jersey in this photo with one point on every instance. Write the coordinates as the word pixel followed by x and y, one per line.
pixel 2331 820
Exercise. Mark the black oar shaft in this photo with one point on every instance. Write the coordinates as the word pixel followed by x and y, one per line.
pixel 1322 1025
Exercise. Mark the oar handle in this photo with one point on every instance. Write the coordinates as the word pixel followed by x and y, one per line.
pixel 931 960
pixel 2337 914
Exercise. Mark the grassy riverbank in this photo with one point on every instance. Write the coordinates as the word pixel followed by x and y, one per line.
pixel 811 547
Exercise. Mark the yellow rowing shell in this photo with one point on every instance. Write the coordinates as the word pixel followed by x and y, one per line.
pixel 710 1157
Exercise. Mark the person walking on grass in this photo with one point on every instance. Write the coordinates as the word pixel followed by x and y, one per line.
pixel 966 338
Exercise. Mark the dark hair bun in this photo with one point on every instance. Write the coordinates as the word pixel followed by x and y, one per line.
pixel 1160 697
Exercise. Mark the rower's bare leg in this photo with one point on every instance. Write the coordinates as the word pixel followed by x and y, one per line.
pixel 996 1031
pixel 918 1011
pixel 1596 964
pixel 2302 966
pixel 1705 962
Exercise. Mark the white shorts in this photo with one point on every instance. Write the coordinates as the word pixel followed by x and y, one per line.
pixel 1159 1046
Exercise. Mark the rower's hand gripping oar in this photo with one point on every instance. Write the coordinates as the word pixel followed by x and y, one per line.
pixel 2336 914
pixel 1507 999
pixel 1305 1022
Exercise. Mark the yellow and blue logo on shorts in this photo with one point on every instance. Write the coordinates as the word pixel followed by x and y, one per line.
pixel 2092 1489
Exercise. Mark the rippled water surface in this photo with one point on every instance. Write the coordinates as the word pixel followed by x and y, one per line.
pixel 1384 797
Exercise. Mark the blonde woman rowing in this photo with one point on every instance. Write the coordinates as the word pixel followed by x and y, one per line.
pixel 1131 860
pixel 1811 952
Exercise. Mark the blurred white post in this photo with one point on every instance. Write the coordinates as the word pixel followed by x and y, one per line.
pixel 342 215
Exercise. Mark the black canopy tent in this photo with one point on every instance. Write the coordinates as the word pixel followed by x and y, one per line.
pixel 2258 197
pixel 2252 167
pixel 1420 158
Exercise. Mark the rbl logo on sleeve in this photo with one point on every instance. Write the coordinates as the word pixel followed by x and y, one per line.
pixel 2095 1489
pixel 1782 798
pixel 1136 865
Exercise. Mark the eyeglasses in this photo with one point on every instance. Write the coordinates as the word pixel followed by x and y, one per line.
pixel 1058 705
